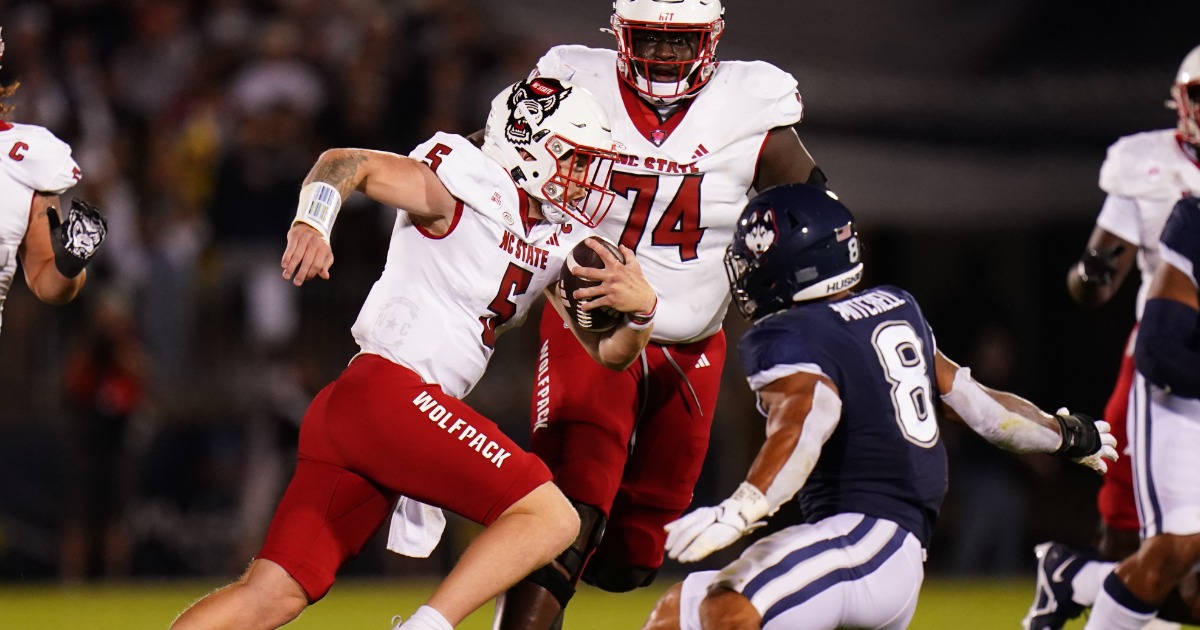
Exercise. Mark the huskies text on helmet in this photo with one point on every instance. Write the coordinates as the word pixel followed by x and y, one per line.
pixel 667 49
pixel 793 243
pixel 536 125
pixel 1186 96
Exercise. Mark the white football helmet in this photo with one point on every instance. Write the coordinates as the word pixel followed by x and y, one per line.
pixel 1186 96
pixel 536 123
pixel 665 81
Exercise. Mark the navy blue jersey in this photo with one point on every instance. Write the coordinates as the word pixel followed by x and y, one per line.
pixel 1180 238
pixel 885 458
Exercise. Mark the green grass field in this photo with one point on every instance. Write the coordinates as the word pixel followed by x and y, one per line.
pixel 945 604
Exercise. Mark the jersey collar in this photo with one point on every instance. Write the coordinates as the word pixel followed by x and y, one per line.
pixel 645 117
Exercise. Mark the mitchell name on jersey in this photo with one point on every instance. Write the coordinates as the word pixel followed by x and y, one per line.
pixel 442 300
pixel 682 183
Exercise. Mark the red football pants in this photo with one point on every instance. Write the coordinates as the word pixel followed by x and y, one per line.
pixel 375 433
pixel 1115 500
pixel 630 443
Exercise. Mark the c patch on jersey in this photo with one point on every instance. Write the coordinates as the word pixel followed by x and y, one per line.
pixel 762 233
pixel 535 99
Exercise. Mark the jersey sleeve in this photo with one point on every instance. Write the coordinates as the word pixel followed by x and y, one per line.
pixel 1180 240
pixel 1119 216
pixel 769 354
pixel 779 91
pixel 39 160
pixel 470 176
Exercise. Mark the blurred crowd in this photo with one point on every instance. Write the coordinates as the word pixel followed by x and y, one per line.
pixel 184 369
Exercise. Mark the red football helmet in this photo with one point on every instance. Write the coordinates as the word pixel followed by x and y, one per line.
pixel 667 80
pixel 1185 95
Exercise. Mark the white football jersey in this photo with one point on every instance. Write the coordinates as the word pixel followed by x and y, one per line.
pixel 682 183
pixel 31 160
pixel 1144 175
pixel 442 300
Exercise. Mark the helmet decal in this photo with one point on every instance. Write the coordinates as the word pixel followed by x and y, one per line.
pixel 760 233
pixel 529 104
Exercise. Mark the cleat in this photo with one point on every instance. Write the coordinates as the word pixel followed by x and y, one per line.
pixel 1052 603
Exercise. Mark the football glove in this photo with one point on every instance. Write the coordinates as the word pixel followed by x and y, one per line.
pixel 1099 265
pixel 1086 441
pixel 694 536
pixel 76 240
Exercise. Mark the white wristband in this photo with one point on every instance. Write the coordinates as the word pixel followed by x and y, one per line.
pixel 318 206
pixel 752 503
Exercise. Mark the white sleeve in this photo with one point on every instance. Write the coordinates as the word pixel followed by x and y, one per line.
pixel 472 177
pixel 778 89
pixel 822 419
pixel 996 424
pixel 1120 216
pixel 41 161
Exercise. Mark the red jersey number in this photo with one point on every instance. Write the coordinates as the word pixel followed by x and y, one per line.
pixel 515 282
pixel 679 225
pixel 434 157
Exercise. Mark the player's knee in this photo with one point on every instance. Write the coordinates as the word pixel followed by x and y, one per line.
pixel 728 610
pixel 618 578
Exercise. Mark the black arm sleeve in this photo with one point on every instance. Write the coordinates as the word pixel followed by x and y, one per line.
pixel 1166 351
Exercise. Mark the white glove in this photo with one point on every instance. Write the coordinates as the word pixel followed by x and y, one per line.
pixel 696 535
pixel 1108 447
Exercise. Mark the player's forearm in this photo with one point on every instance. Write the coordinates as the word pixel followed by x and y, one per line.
pixel 621 347
pixel 1004 419
pixel 52 287
pixel 797 429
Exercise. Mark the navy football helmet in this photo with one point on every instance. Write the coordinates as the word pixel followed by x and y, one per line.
pixel 793 243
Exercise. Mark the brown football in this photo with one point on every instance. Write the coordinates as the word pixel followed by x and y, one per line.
pixel 595 320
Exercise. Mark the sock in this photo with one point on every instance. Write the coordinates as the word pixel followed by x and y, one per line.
pixel 1087 583
pixel 1118 609
pixel 426 618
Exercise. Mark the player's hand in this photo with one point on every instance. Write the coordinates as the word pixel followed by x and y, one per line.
pixel 307 255
pixel 622 286
pixel 76 240
pixel 1099 265
pixel 696 535
pixel 1086 441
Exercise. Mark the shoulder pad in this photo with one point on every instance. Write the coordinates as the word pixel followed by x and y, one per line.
pixel 564 62
pixel 1139 165
pixel 38 159
pixel 775 90
pixel 471 177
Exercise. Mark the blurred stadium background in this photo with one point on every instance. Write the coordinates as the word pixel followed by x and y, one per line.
pixel 146 429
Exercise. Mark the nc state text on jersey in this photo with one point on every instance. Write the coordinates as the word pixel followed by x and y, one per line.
pixel 524 252
pixel 662 165
pixel 441 416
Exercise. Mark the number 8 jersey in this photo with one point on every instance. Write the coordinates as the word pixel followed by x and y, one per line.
pixel 681 184
pixel 885 458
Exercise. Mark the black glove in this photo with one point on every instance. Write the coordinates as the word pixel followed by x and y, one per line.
pixel 1099 264
pixel 1080 437
pixel 76 240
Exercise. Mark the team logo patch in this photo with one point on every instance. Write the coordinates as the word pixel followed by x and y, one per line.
pixel 761 234
pixel 531 102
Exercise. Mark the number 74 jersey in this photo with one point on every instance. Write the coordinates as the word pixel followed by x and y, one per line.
pixel 885 457
pixel 682 183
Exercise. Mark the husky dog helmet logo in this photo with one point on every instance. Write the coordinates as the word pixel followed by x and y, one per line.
pixel 760 235
pixel 529 103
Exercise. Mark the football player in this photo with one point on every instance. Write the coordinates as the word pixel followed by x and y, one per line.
pixel 695 135
pixel 1164 411
pixel 1144 175
pixel 852 385
pixel 35 168
pixel 479 236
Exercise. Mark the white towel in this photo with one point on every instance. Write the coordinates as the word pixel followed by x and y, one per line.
pixel 416 528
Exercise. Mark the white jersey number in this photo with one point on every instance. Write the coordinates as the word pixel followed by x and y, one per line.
pixel 679 225
pixel 901 354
